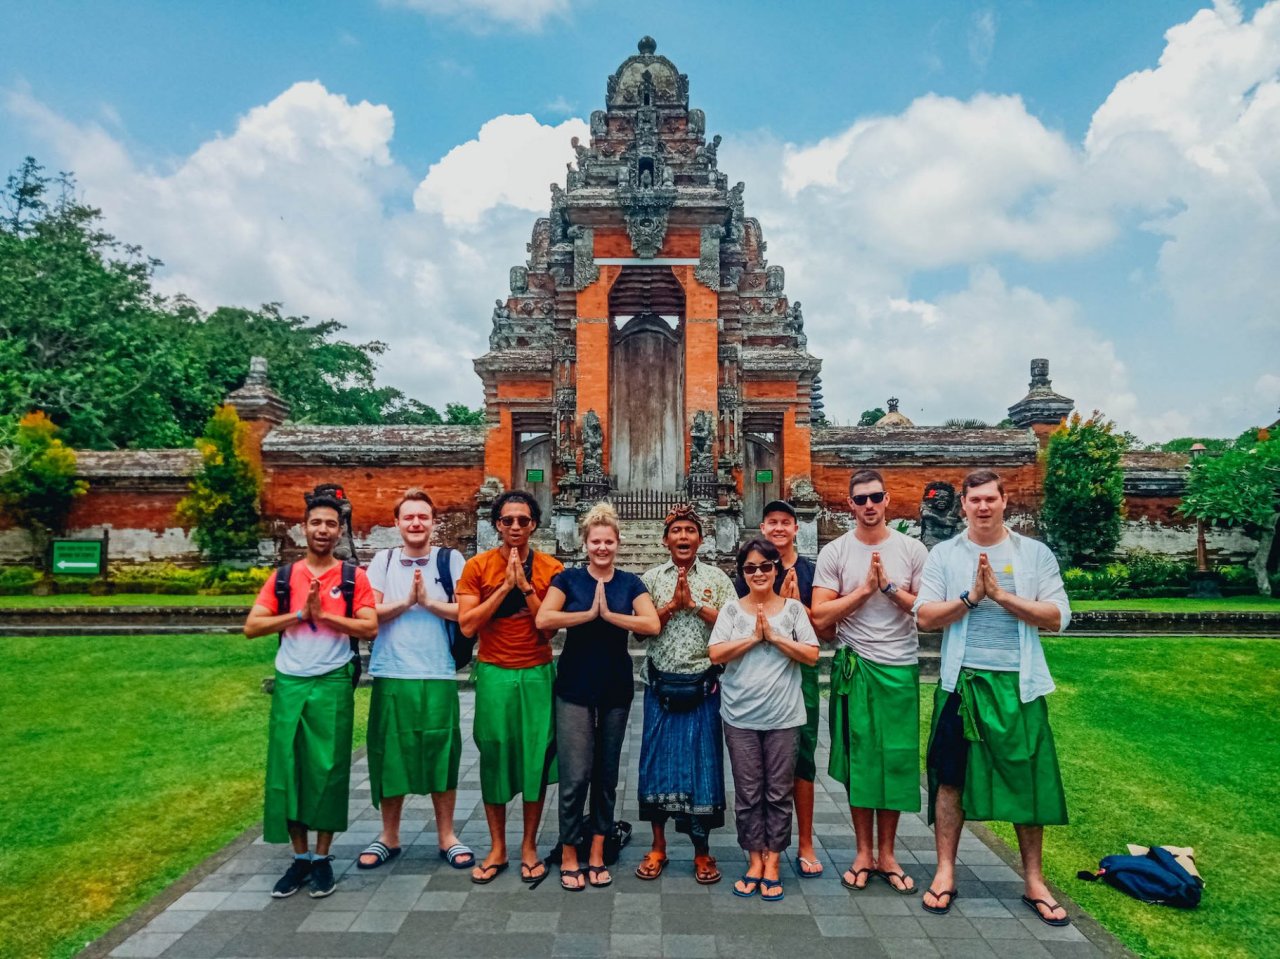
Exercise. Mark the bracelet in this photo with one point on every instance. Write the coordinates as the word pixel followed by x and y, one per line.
pixel 299 615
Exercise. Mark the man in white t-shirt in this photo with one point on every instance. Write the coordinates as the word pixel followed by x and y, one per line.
pixel 864 589
pixel 415 737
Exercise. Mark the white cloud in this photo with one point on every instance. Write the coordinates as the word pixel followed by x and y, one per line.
pixel 303 203
pixel 511 162
pixel 950 182
pixel 481 15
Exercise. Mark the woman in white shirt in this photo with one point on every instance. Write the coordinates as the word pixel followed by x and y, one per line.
pixel 761 640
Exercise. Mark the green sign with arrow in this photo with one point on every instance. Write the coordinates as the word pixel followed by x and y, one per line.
pixel 77 557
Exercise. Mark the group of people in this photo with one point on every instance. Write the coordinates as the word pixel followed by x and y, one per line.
pixel 730 665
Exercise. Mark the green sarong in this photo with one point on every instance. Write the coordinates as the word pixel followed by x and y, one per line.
pixel 515 731
pixel 807 745
pixel 875 732
pixel 415 738
pixel 1011 773
pixel 308 753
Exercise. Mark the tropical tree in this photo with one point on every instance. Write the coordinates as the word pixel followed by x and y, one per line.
pixel 38 481
pixel 1083 490
pixel 223 507
pixel 1240 487
pixel 871 417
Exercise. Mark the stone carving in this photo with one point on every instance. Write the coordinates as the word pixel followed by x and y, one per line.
pixel 566 399
pixel 519 280
pixel 599 127
pixel 592 445
pixel 939 514
pixel 500 311
pixel 795 325
pixel 1040 373
pixel 583 152
pixel 645 211
pixel 708 269
pixel 774 279
pixel 539 244
pixel 737 212
pixel 559 203
pixel 700 437
pixel 697 122
pixel 708 152
pixel 585 271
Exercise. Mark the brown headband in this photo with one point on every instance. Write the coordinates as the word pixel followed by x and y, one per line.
pixel 682 511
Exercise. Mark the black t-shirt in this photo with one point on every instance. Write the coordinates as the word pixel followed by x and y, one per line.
pixel 595 667
pixel 804 579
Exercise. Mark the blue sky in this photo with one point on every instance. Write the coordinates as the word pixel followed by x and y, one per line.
pixel 953 187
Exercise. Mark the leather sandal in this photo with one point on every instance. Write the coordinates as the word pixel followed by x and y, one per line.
pixel 705 871
pixel 651 865
pixel 571 874
pixel 938 894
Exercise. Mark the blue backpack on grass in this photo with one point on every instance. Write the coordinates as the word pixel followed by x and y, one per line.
pixel 1156 877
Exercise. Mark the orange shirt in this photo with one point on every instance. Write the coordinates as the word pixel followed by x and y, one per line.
pixel 510 641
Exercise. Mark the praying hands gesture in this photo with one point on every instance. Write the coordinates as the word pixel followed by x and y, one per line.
pixel 312 612
pixel 515 578
pixel 984 582
pixel 790 588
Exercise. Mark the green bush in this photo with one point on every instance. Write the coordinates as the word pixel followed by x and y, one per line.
pixel 16 580
pixel 224 581
pixel 1148 570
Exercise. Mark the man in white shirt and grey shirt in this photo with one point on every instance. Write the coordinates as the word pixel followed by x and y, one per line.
pixel 991 752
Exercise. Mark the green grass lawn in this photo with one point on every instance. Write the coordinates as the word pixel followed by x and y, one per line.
pixel 127 760
pixel 122 599
pixel 1181 604
pixel 1170 741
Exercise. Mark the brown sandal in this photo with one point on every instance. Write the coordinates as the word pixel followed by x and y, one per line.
pixel 705 871
pixel 651 865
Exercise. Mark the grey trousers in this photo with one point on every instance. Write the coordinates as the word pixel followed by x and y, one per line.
pixel 764 772
pixel 588 746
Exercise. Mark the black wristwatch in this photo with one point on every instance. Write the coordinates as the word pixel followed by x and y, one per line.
pixel 964 598
pixel 890 589
pixel 527 592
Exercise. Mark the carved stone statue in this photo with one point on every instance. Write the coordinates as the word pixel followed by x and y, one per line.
pixel 939 513
pixel 582 151
pixel 700 436
pixel 592 445
pixel 598 126
pixel 500 310
pixel 697 122
pixel 519 280
pixel 774 279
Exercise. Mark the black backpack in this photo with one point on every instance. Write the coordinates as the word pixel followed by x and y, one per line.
pixel 348 586
pixel 460 647
pixel 1156 878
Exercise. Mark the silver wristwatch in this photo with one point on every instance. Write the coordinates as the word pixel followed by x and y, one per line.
pixel 890 589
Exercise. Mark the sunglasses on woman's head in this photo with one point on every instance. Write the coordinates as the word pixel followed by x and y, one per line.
pixel 860 499
pixel 750 569
pixel 510 521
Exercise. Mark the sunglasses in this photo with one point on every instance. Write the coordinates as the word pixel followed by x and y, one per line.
pixel 750 569
pixel 860 499
pixel 510 521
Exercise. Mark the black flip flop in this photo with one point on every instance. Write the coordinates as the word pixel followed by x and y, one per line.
pixel 1035 904
pixel 569 874
pixel 593 872
pixel 498 869
pixel 856 873
pixel 938 894
pixel 901 877
pixel 382 851
pixel 527 868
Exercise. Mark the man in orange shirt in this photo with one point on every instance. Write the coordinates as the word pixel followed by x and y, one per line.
pixel 499 595
pixel 312 701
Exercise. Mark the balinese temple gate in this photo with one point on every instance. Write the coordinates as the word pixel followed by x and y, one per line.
pixel 647 351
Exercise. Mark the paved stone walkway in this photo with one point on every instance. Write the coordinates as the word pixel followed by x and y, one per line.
pixel 418 906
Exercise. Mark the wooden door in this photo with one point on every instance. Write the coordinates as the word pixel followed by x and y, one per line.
pixel 761 480
pixel 646 386
pixel 533 469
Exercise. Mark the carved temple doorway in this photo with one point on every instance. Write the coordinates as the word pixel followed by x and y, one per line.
pixel 646 381
pixel 533 453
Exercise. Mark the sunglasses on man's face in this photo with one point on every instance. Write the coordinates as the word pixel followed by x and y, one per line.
pixel 510 521
pixel 860 499
pixel 750 569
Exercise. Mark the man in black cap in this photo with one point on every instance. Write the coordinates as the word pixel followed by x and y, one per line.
pixel 780 526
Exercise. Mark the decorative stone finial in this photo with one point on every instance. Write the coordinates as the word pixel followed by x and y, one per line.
pixel 1040 374
pixel 1041 406
pixel 893 404
pixel 256 400
pixel 647 46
